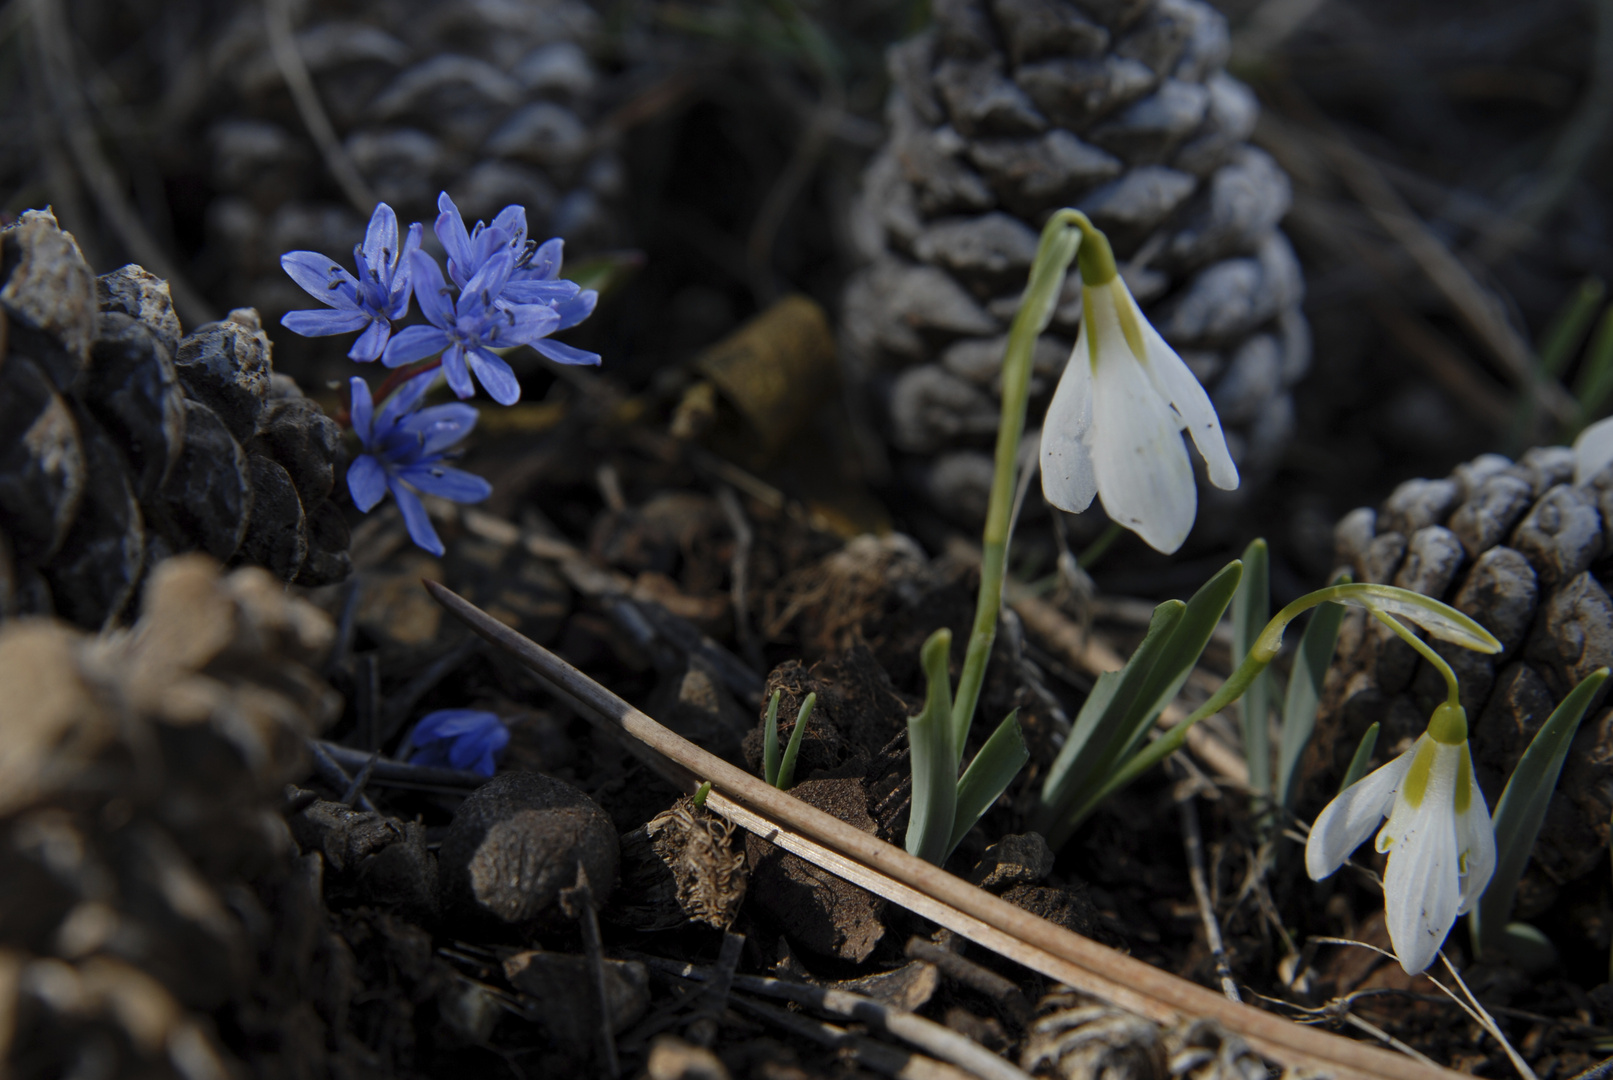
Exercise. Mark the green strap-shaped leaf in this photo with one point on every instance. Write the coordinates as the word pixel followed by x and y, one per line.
pixel 770 752
pixel 1311 662
pixel 786 769
pixel 1523 807
pixel 988 776
pixel 1362 758
pixel 1567 327
pixel 1439 619
pixel 1251 608
pixel 934 763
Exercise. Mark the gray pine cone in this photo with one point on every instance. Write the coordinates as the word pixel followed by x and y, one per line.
pixel 123 442
pixel 496 103
pixel 1009 109
pixel 1519 547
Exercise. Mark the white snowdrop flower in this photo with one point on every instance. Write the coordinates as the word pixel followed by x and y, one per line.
pixel 1439 838
pixel 1114 427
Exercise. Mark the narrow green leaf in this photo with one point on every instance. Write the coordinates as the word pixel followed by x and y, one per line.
pixel 770 755
pixel 1567 328
pixel 1595 381
pixel 1440 620
pixel 1362 758
pixel 786 769
pixel 988 776
pixel 934 763
pixel 1251 608
pixel 1311 662
pixel 701 793
pixel 1522 808
pixel 1100 718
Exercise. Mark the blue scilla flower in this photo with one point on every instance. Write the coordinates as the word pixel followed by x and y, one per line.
pixel 534 277
pixel 467 330
pixel 404 447
pixel 459 739
pixel 368 302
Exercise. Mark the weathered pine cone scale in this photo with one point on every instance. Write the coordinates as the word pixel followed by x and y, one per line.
pixel 123 442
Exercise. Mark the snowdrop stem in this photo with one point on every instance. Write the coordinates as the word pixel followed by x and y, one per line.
pixel 1066 232
pixel 1452 690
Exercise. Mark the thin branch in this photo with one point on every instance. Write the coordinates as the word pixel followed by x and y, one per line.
pixel 1193 844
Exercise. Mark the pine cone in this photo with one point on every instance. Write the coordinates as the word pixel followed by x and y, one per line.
pixel 1519 547
pixel 496 103
pixel 156 919
pixel 122 442
pixel 1008 110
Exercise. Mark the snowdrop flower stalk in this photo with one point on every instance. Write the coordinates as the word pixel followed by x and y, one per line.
pixel 1438 835
pixel 1114 427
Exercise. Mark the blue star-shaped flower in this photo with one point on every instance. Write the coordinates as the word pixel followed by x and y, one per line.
pixel 404 447
pixel 534 276
pixel 378 295
pixel 460 739
pixel 468 329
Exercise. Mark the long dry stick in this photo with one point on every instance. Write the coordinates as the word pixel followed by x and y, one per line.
pixel 930 891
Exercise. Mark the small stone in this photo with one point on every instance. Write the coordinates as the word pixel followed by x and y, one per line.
pixel 1034 175
pixel 1500 593
pixel 982 101
pixel 131 387
pixel 1076 93
pixel 1252 380
pixel 1433 555
pixel 42 467
pixel 297 434
pixel 138 293
pixel 1039 28
pixel 963 28
pixel 206 503
pixel 48 297
pixel 562 988
pixel 1022 859
pixel 989 251
pixel 909 63
pixel 1243 202
pixel 1229 120
pixel 94 575
pixel 516 843
pixel 1489 513
pixel 1418 503
pixel 1561 535
pixel 930 407
pixel 225 365
pixel 1137 203
pixel 1148 131
pixel 277 534
pixel 820 912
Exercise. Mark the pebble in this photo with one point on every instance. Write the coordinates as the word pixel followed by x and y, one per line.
pixel 1034 29
pixel 1561 535
pixel 982 101
pixel 1034 175
pixel 1076 93
pixel 1017 859
pixel 1501 592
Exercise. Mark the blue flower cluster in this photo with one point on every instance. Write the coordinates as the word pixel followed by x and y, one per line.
pixel 501 290
pixel 459 739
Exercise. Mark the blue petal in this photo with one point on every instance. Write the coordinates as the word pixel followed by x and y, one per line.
pixel 494 374
pixel 367 481
pixel 316 323
pixel 453 366
pixel 545 262
pixel 414 343
pixel 446 482
pixel 360 409
pixel 562 353
pixel 402 401
pixel 371 342
pixel 402 282
pixel 488 282
pixel 512 219
pixel 441 426
pixel 529 322
pixel 577 309
pixel 450 229
pixel 381 240
pixel 451 724
pixel 415 518
pixel 425 276
pixel 487 242
pixel 321 278
pixel 535 291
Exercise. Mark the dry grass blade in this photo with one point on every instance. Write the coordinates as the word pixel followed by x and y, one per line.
pixel 931 892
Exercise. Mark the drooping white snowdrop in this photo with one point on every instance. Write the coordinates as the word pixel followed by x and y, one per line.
pixel 1114 427
pixel 1439 837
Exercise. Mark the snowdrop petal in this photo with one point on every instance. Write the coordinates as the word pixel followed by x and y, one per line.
pixel 1176 383
pixel 1475 838
pixel 1421 888
pixel 1593 450
pixel 367 481
pixel 1346 822
pixel 1144 477
pixel 1068 481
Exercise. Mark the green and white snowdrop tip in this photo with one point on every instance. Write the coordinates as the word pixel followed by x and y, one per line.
pixel 1114 427
pixel 1439 837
